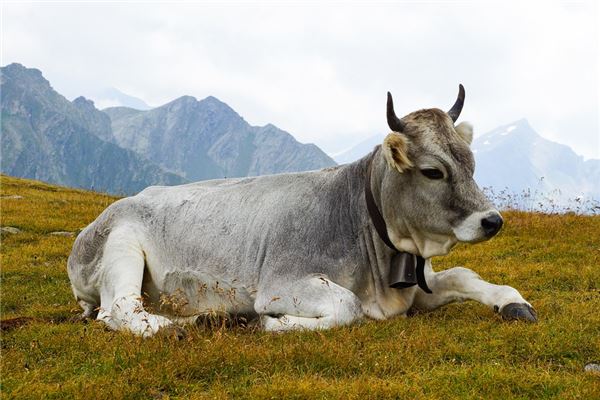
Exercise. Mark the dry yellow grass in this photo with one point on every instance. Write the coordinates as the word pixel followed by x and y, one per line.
pixel 459 351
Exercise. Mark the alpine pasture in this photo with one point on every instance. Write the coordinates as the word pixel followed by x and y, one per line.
pixel 459 351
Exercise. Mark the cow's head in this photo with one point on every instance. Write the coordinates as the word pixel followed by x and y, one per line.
pixel 427 187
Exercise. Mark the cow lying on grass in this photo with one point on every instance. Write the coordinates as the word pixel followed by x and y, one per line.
pixel 306 250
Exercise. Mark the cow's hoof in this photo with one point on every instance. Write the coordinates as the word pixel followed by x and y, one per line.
pixel 518 311
pixel 172 331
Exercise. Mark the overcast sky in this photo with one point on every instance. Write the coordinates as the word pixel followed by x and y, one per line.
pixel 321 70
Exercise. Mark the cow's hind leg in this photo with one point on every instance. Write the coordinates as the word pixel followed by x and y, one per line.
pixel 90 310
pixel 313 302
pixel 459 284
pixel 121 307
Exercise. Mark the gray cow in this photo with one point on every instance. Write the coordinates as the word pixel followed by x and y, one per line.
pixel 300 250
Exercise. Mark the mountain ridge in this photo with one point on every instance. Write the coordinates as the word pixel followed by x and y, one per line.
pixel 123 150
pixel 203 139
pixel 47 137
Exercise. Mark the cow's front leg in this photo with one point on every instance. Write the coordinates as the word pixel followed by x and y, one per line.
pixel 121 306
pixel 459 284
pixel 313 302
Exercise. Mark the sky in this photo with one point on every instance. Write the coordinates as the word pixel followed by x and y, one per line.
pixel 321 70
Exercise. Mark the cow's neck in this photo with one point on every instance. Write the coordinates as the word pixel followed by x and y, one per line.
pixel 403 236
pixel 405 269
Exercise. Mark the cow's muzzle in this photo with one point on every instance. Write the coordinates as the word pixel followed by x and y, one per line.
pixel 481 225
pixel 491 224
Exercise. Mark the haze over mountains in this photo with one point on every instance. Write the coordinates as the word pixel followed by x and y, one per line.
pixel 113 97
pixel 123 150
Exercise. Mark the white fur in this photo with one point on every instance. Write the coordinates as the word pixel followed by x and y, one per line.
pixel 460 284
pixel 470 230
pixel 322 304
pixel 465 130
pixel 424 244
pixel 121 274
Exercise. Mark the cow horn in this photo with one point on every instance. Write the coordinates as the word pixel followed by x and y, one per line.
pixel 393 122
pixel 458 105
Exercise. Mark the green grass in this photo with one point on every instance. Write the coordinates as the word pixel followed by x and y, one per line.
pixel 459 351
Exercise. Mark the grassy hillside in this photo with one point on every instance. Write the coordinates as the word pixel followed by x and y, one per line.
pixel 462 350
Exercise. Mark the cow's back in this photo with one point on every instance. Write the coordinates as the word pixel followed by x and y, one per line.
pixel 240 229
pixel 234 230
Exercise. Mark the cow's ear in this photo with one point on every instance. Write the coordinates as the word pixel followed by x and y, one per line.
pixel 395 150
pixel 465 130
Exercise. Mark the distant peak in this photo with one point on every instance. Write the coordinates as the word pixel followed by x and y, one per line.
pixel 180 102
pixel 523 122
pixel 18 70
pixel 189 105
pixel 185 99
pixel 215 103
pixel 20 67
pixel 82 101
pixel 211 100
pixel 519 127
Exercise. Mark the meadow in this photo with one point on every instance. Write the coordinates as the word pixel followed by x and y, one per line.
pixel 459 351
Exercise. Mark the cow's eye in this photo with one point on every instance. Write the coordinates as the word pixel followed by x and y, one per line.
pixel 432 173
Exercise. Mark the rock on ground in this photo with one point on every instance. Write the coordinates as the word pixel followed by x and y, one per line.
pixel 62 233
pixel 592 367
pixel 10 229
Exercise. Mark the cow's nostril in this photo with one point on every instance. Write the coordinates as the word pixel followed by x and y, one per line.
pixel 491 225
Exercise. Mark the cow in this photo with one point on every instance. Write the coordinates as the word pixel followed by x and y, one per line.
pixel 309 250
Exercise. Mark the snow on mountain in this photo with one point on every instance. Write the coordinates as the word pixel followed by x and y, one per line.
pixel 514 156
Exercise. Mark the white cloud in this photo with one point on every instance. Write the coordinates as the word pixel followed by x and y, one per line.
pixel 321 71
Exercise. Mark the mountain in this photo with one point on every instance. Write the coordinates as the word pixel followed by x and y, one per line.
pixel 123 149
pixel 515 159
pixel 207 139
pixel 47 137
pixel 96 121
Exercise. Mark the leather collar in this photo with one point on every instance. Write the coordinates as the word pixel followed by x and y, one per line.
pixel 405 271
